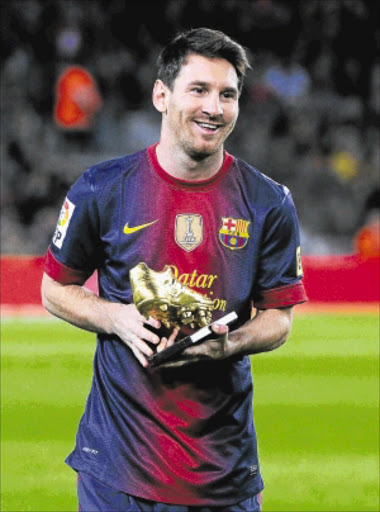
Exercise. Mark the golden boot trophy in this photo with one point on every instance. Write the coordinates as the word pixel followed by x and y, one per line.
pixel 162 296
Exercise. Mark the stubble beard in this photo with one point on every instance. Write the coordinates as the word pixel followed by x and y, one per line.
pixel 200 154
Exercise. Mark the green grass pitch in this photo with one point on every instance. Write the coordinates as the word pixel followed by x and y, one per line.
pixel 316 413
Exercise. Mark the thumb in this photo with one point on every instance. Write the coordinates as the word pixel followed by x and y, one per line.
pixel 219 328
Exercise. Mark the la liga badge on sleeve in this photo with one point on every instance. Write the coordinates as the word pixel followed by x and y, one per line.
pixel 234 233
pixel 65 215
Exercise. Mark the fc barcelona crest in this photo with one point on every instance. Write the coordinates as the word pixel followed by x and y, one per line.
pixel 188 230
pixel 234 233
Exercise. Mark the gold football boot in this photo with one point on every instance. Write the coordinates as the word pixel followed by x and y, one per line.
pixel 162 296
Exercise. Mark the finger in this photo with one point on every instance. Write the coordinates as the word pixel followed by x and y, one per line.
pixel 139 356
pixel 173 364
pixel 162 345
pixel 137 315
pixel 219 329
pixel 142 319
pixel 140 344
pixel 147 335
pixel 172 337
pixel 153 322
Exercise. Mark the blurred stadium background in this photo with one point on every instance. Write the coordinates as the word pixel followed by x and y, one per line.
pixel 76 79
pixel 309 112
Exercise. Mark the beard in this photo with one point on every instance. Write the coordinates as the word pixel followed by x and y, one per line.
pixel 198 155
pixel 201 151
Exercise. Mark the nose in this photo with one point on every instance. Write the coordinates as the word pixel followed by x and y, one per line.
pixel 212 105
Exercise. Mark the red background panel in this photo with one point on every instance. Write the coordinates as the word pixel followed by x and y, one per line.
pixel 341 278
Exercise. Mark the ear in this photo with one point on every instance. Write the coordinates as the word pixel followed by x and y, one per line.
pixel 160 96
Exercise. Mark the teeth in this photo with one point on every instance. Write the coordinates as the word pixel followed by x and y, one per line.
pixel 208 126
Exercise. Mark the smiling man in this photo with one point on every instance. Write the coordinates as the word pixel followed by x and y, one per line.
pixel 181 234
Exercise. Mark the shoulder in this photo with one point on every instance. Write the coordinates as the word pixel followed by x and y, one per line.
pixel 106 173
pixel 261 188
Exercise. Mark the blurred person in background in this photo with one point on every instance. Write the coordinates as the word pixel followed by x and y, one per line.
pixel 77 99
pixel 367 238
pixel 180 233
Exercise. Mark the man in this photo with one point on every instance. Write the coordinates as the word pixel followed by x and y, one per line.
pixel 188 229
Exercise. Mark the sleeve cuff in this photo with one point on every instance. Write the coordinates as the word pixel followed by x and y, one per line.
pixel 281 297
pixel 62 274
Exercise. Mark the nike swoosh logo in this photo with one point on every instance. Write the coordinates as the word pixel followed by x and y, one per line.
pixel 128 230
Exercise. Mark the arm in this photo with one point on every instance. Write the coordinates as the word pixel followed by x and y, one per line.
pixel 84 309
pixel 268 330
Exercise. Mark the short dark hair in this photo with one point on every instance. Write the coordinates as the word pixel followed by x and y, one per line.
pixel 201 41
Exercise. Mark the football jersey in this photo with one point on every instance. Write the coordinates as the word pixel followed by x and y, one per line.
pixel 184 435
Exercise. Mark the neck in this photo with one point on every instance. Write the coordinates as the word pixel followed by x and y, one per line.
pixel 180 165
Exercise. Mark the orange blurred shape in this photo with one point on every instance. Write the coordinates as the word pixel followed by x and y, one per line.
pixel 77 99
pixel 367 240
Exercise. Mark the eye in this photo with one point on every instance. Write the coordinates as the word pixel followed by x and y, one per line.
pixel 229 95
pixel 198 90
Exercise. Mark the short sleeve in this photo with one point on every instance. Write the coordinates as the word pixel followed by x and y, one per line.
pixel 279 282
pixel 74 252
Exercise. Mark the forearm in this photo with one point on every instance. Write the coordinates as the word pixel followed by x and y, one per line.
pixel 86 310
pixel 76 305
pixel 268 330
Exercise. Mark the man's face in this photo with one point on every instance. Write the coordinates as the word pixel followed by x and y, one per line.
pixel 202 109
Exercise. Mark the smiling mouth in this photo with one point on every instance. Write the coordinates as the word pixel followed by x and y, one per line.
pixel 208 126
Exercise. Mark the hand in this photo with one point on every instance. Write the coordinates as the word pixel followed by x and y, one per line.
pixel 212 349
pixel 128 324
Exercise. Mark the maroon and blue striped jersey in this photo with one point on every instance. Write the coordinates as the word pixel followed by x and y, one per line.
pixel 184 435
